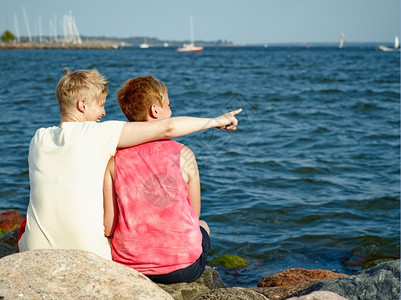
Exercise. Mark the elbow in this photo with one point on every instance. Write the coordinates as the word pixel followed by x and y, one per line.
pixel 109 233
pixel 169 129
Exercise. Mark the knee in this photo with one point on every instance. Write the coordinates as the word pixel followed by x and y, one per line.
pixel 205 226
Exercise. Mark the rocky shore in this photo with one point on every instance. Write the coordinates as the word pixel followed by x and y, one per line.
pixel 76 274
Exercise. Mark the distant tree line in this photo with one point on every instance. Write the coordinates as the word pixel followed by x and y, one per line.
pixel 8 36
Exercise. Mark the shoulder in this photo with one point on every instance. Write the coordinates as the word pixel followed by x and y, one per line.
pixel 105 126
pixel 45 130
pixel 87 126
pixel 187 151
pixel 167 145
pixel 188 164
pixel 103 131
pixel 187 156
pixel 45 133
pixel 172 143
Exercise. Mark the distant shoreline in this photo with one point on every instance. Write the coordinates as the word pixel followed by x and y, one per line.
pixel 115 44
pixel 83 45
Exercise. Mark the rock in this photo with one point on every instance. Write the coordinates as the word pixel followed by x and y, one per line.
pixel 371 263
pixel 279 293
pixel 9 220
pixel 229 261
pixel 71 274
pixel 209 280
pixel 235 293
pixel 6 249
pixel 323 295
pixel 291 281
pixel 184 290
pixel 296 276
pixel 10 238
pixel 379 282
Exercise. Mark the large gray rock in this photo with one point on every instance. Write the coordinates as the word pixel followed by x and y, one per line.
pixel 209 280
pixel 71 274
pixel 379 282
pixel 235 293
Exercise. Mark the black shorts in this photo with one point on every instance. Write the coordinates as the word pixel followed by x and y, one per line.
pixel 190 273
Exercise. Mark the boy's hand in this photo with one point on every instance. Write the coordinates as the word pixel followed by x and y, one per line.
pixel 228 121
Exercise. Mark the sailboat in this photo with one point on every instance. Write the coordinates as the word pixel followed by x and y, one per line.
pixel 144 45
pixel 396 46
pixel 342 41
pixel 190 47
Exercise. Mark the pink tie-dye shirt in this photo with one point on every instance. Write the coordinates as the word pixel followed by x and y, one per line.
pixel 158 229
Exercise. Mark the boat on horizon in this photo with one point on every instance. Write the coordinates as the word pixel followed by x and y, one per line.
pixel 190 47
pixel 387 49
pixel 342 41
pixel 144 45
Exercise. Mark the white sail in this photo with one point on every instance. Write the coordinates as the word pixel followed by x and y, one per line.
pixel 396 42
pixel 342 41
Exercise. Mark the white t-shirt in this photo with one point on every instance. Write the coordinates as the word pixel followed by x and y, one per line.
pixel 66 169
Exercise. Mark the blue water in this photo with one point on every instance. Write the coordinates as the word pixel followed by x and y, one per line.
pixel 311 178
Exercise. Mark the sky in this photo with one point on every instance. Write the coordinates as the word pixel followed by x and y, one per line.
pixel 237 21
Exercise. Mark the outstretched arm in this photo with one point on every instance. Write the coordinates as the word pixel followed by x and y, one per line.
pixel 135 133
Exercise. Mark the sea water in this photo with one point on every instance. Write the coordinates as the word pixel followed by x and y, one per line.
pixel 310 179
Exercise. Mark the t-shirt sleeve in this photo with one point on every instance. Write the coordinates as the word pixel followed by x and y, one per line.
pixel 108 135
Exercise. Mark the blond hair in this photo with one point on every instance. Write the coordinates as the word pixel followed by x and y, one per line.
pixel 137 95
pixel 89 85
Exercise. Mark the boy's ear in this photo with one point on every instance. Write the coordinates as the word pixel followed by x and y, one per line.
pixel 154 111
pixel 81 105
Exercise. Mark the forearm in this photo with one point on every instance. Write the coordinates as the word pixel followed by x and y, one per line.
pixel 135 133
pixel 185 125
pixel 180 126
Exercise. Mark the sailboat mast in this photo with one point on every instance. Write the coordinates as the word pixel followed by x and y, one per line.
pixel 192 30
pixel 16 27
pixel 40 29
pixel 28 30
